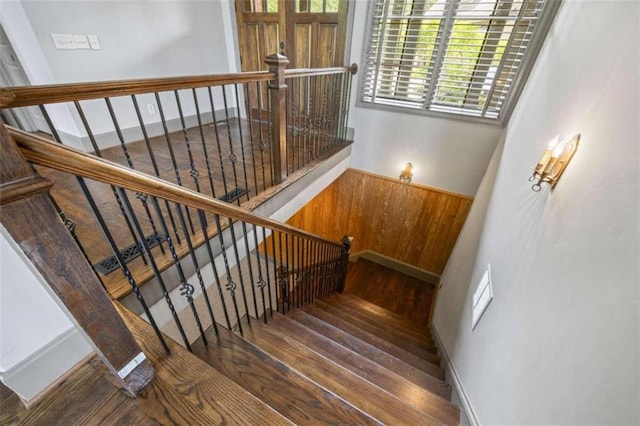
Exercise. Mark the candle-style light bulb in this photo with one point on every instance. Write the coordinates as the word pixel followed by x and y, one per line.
pixel 553 143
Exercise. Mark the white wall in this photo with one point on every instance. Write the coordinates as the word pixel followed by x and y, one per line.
pixel 450 154
pixel 38 342
pixel 559 344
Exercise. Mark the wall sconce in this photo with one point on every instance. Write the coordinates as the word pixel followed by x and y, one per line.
pixel 553 162
pixel 407 173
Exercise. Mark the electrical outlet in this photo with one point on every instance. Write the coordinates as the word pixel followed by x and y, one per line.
pixel 151 108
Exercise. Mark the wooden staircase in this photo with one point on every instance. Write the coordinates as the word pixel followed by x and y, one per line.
pixel 340 360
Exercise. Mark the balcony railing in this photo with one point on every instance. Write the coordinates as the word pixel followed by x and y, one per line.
pixel 162 199
pixel 234 137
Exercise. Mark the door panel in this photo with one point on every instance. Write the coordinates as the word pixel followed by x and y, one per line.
pixel 303 45
pixel 312 31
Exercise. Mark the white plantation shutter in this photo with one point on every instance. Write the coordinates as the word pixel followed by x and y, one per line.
pixel 454 56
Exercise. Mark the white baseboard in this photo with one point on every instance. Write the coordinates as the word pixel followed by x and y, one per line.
pixel 31 377
pixel 455 379
pixel 133 134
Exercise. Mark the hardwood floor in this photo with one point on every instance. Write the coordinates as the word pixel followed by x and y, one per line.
pixel 392 290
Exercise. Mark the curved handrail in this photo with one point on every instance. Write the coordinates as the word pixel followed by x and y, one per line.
pixel 42 152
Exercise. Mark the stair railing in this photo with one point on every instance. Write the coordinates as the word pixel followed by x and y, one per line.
pixel 230 136
pixel 241 274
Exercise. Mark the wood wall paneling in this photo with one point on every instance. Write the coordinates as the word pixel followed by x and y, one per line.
pixel 411 223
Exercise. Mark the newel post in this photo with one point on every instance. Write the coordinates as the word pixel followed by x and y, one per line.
pixel 347 241
pixel 278 88
pixel 29 216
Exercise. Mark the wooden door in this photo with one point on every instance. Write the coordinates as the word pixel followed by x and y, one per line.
pixel 316 32
pixel 311 33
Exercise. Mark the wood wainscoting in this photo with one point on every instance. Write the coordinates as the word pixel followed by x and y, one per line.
pixel 412 223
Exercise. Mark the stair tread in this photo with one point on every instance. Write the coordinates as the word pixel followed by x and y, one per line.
pixel 391 335
pixel 374 340
pixel 369 398
pixel 377 311
pixel 372 353
pixel 186 390
pixel 353 305
pixel 285 390
pixel 426 400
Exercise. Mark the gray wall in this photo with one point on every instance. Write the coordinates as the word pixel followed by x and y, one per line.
pixel 451 154
pixel 559 342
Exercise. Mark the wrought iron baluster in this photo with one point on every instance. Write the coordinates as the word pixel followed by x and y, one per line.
pixel 261 145
pixel 146 252
pixel 123 265
pixel 232 155
pixel 300 269
pixel 171 152
pixel 251 280
pixel 344 105
pixel 308 119
pixel 212 260
pixel 193 170
pixel 291 123
pixel 194 259
pixel 335 109
pixel 348 97
pixel 113 189
pixel 266 265
pixel 203 139
pixel 283 275
pixel 248 106
pixel 230 286
pixel 125 150
pixel 261 283
pixel 215 128
pixel 154 163
pixel 270 125
pixel 187 289
pixel 244 160
pixel 289 151
pixel 234 242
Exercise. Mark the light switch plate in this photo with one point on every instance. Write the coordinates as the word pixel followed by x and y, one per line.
pixel 70 41
pixel 94 42
pixel 482 296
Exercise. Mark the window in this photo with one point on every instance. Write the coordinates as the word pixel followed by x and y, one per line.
pixel 465 57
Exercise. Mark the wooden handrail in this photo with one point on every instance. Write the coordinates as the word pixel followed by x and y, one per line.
pixel 42 152
pixel 310 72
pixel 54 93
pixel 23 96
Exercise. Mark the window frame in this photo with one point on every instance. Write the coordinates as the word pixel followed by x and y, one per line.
pixel 533 50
